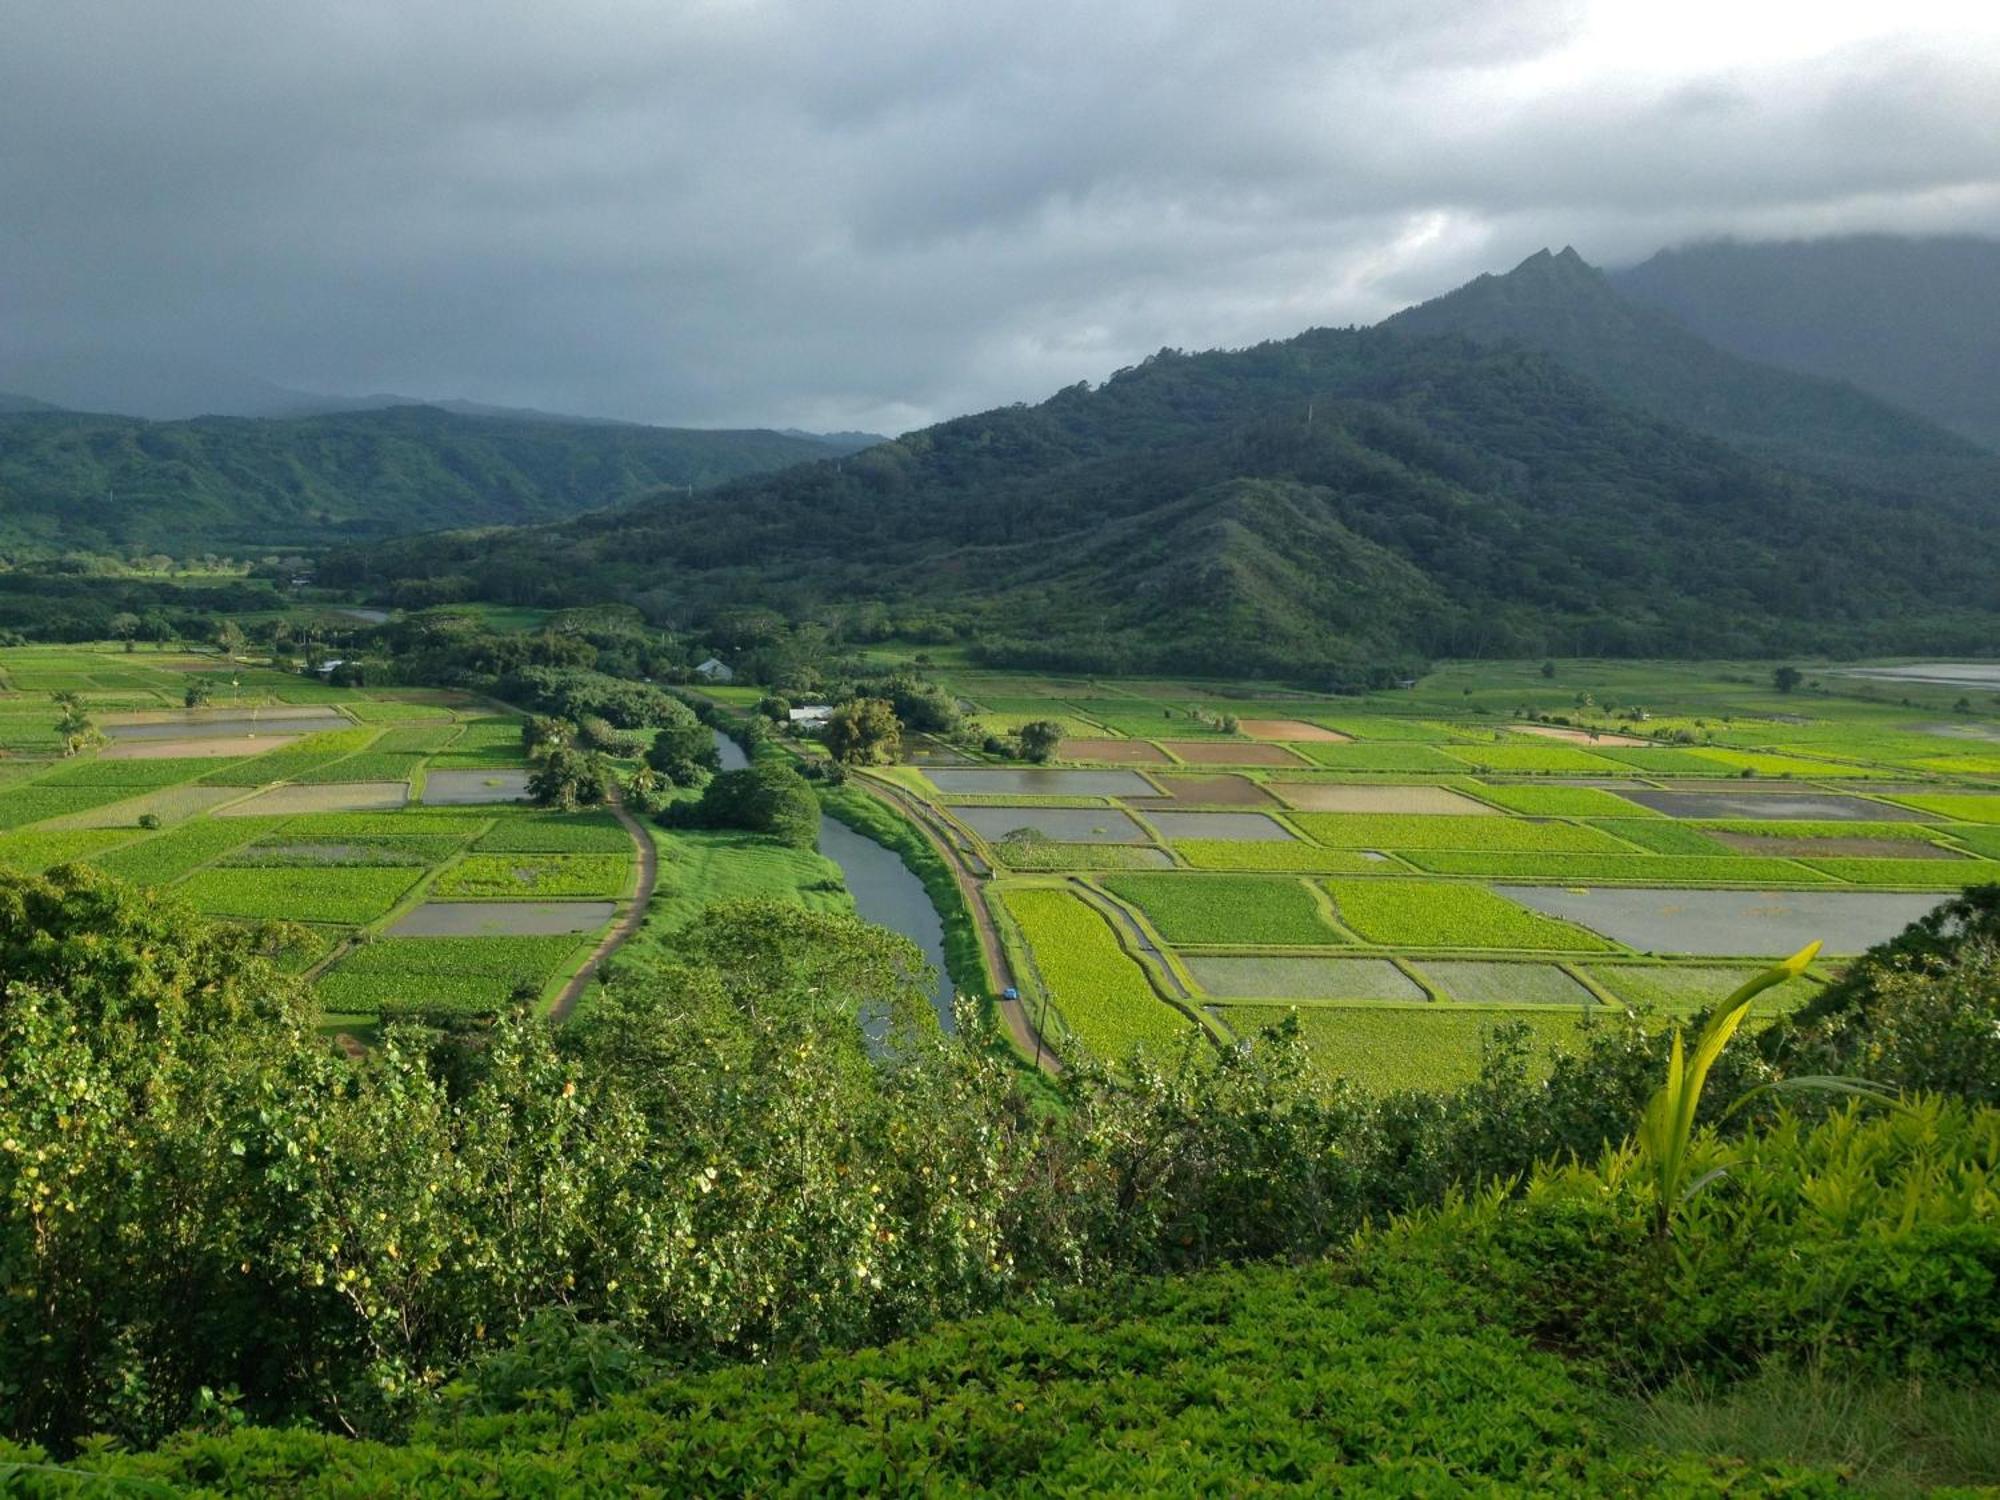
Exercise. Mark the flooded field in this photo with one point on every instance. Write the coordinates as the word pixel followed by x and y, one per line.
pixel 1757 924
pixel 339 796
pixel 454 788
pixel 1263 978
pixel 1481 982
pixel 1065 825
pixel 503 918
pixel 1829 807
pixel 1211 791
pixel 214 747
pixel 1234 827
pixel 199 726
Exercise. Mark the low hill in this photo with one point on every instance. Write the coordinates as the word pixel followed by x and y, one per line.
pixel 1913 320
pixel 1341 496
pixel 1562 306
pixel 71 479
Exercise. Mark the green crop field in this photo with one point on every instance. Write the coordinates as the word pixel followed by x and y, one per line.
pixel 1438 914
pixel 1970 807
pixel 1635 869
pixel 397 977
pixel 1238 910
pixel 138 775
pixel 1448 831
pixel 1554 760
pixel 555 833
pixel 540 876
pixel 43 849
pixel 1271 854
pixel 168 856
pixel 1099 990
pixel 1362 756
pixel 1050 854
pixel 1922 874
pixel 1661 835
pixel 1561 801
pixel 346 895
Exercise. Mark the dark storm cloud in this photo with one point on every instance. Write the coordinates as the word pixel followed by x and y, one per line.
pixel 841 214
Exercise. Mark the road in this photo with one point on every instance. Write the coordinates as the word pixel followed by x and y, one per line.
pixel 649 875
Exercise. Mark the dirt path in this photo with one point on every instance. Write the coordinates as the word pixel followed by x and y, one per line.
pixel 649 875
pixel 972 887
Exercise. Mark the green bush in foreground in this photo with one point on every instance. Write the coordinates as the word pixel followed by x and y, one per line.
pixel 1193 1387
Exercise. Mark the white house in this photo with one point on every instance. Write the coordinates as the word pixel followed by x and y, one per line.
pixel 715 670
pixel 812 716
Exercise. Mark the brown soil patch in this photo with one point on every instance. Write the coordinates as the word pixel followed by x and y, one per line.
pixel 1292 729
pixel 1576 736
pixel 1113 752
pixel 1858 848
pixel 207 749
pixel 1229 753
pixel 1316 797
pixel 1206 791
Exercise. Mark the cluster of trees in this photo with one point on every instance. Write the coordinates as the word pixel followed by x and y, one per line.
pixel 205 1208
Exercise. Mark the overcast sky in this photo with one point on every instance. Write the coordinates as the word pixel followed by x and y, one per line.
pixel 842 213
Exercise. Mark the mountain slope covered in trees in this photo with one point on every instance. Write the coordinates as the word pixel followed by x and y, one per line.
pixel 1564 307
pixel 1337 497
pixel 70 479
pixel 1915 321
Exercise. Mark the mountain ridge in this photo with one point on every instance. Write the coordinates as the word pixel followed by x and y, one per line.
pixel 1343 495
pixel 75 479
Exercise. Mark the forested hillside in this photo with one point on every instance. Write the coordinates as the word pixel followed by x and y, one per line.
pixel 1562 306
pixel 1915 321
pixel 70 480
pixel 1340 496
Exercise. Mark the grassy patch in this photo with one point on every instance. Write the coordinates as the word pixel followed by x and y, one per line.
pixel 1100 990
pixel 370 765
pixel 293 761
pixel 428 821
pixel 1240 910
pixel 1437 914
pixel 700 866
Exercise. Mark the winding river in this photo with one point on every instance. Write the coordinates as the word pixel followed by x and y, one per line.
pixel 884 890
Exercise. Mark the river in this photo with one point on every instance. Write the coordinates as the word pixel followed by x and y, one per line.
pixel 884 890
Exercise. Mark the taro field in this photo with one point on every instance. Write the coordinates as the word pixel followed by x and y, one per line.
pixel 381 825
pixel 1500 845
